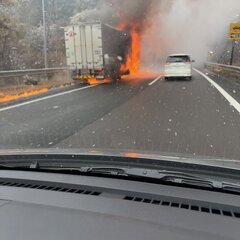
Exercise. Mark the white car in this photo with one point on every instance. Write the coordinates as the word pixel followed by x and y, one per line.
pixel 178 65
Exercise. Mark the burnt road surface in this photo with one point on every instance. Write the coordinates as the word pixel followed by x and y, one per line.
pixel 148 114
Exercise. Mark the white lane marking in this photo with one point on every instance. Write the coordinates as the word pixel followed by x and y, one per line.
pixel 44 98
pixel 155 80
pixel 229 98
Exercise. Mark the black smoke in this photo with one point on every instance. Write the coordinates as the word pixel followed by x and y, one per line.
pixel 130 12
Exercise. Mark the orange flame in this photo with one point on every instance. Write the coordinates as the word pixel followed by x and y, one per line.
pixel 133 58
pixel 94 81
pixel 8 98
pixel 136 45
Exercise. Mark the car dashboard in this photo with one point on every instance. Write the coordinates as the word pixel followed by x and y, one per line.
pixel 37 205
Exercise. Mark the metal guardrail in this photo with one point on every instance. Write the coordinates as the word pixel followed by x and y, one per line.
pixel 229 67
pixel 224 70
pixel 32 72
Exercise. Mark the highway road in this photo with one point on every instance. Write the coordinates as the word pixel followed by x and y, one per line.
pixel 147 114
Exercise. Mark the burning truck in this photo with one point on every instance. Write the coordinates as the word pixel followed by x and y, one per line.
pixel 96 50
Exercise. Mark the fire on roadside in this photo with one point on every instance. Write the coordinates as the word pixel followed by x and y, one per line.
pixel 7 98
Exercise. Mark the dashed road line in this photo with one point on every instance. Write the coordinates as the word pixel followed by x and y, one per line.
pixel 155 80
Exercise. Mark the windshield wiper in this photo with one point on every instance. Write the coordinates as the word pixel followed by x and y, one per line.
pixel 158 176
pixel 164 176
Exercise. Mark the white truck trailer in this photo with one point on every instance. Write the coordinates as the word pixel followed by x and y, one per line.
pixel 95 50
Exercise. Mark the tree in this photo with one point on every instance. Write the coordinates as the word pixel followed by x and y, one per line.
pixel 10 33
pixel 21 31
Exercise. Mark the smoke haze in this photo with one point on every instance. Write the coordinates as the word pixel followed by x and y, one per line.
pixel 188 26
pixel 173 26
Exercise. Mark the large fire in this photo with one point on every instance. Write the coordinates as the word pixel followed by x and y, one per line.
pixel 132 62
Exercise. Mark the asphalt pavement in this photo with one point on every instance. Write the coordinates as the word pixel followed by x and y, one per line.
pixel 147 114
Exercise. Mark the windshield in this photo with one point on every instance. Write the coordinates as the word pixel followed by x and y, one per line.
pixel 91 76
pixel 176 59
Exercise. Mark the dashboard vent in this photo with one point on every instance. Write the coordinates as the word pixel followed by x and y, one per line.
pixel 192 207
pixel 170 202
pixel 50 187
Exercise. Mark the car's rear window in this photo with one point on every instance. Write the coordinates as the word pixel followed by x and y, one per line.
pixel 175 59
